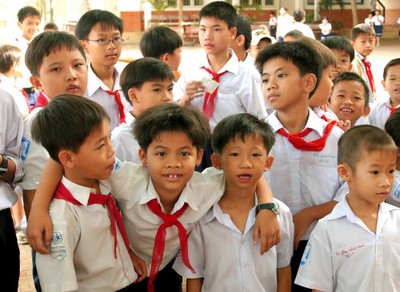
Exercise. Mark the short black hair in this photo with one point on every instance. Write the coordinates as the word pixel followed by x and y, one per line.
pixel 47 42
pixel 50 26
pixel 391 63
pixel 143 70
pixel 171 118
pixel 221 10
pixel 294 33
pixel 27 11
pixel 350 76
pixel 244 28
pixel 327 57
pixel 9 55
pixel 298 15
pixel 239 126
pixel 363 138
pixel 159 40
pixel 392 127
pixel 341 44
pixel 66 122
pixel 92 17
pixel 302 56
pixel 361 28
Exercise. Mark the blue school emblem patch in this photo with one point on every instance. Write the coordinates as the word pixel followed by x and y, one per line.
pixel 306 254
pixel 26 143
pixel 58 249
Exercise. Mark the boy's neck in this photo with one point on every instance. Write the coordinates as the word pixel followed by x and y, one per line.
pixel 393 103
pixel 105 74
pixel 217 61
pixel 294 120
pixel 238 199
pixel 368 213
pixel 71 176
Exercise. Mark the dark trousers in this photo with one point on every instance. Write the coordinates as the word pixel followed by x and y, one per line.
pixel 35 275
pixel 206 160
pixel 167 280
pixel 295 263
pixel 9 253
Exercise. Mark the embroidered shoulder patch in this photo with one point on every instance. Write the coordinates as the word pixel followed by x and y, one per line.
pixel 26 143
pixel 58 249
pixel 306 254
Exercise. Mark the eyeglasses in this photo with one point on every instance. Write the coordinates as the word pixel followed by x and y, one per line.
pixel 104 42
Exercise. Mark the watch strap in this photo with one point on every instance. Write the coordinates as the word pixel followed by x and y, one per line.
pixel 3 165
pixel 274 207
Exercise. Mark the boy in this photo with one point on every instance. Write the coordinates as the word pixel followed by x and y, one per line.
pixel 170 137
pixel 241 43
pixel 367 161
pixel 241 143
pixel 392 127
pixel 381 111
pixel 378 20
pixel 86 222
pixel 305 145
pixel 10 57
pixel 219 85
pixel 100 33
pixel 146 82
pixel 292 35
pixel 349 99
pixel 363 41
pixel 162 43
pixel 260 38
pixel 344 53
pixel 11 170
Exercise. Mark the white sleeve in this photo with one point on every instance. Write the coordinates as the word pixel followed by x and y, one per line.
pixel 284 249
pixel 315 271
pixel 56 270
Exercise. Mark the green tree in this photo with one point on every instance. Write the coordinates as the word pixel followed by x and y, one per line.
pixel 161 5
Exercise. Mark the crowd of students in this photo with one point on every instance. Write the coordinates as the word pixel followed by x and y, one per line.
pixel 263 167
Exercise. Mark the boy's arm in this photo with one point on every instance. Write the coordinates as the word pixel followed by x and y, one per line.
pixel 194 285
pixel 40 227
pixel 266 225
pixel 284 277
pixel 305 217
pixel 193 89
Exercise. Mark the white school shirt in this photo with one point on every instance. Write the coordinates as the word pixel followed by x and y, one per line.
pixel 125 145
pixel 303 179
pixel 380 113
pixel 394 197
pixel 329 114
pixel 362 121
pixel 238 91
pixel 9 85
pixel 11 129
pixel 378 20
pixel 82 248
pixel 228 260
pixel 96 92
pixel 132 189
pixel 344 255
pixel 359 68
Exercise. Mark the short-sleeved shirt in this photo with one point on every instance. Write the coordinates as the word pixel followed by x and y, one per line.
pixel 301 178
pixel 394 197
pixel 344 255
pixel 133 189
pixel 82 248
pixel 380 112
pixel 228 260
pixel 96 92
pixel 238 91
pixel 125 145
pixel 11 129
pixel 9 85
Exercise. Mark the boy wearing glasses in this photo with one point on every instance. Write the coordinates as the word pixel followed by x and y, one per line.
pixel 100 33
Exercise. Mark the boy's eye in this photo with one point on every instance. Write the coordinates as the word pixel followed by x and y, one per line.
pixel 161 154
pixel 234 154
pixel 391 171
pixel 157 90
pixel 265 81
pixel 101 146
pixel 374 172
pixel 357 98
pixel 256 154
pixel 281 75
pixel 55 69
pixel 184 154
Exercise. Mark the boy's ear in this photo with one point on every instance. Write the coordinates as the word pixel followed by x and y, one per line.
pixel 66 158
pixel 142 156
pixel 132 95
pixel 345 172
pixel 310 82
pixel 200 153
pixel 366 111
pixel 240 40
pixel 268 162
pixel 216 161
pixel 233 32
pixel 84 44
pixel 164 58
pixel 384 84
pixel 36 83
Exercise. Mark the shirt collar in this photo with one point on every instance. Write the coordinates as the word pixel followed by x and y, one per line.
pixel 82 193
pixel 231 66
pixel 187 196
pixel 313 122
pixel 96 83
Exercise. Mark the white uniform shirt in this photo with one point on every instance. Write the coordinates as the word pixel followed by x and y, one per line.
pixel 82 249
pixel 9 85
pixel 133 190
pixel 359 68
pixel 380 113
pixel 238 91
pixel 329 114
pixel 344 255
pixel 125 145
pixel 228 260
pixel 11 128
pixel 362 121
pixel 34 155
pixel 304 28
pixel 378 20
pixel 303 179
pixel 394 197
pixel 96 92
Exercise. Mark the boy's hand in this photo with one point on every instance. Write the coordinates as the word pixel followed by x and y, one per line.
pixel 40 231
pixel 344 125
pixel 267 228
pixel 194 89
pixel 301 222
pixel 140 266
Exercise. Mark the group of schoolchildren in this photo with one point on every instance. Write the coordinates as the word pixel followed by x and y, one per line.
pixel 109 153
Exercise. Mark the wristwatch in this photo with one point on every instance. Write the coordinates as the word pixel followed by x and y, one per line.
pixel 3 165
pixel 274 207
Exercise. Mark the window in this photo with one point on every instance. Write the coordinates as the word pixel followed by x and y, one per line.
pixel 193 2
